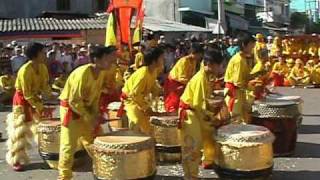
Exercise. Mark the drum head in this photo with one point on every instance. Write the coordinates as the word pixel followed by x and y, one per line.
pixel 283 98
pixel 274 103
pixel 244 133
pixel 114 106
pixel 123 140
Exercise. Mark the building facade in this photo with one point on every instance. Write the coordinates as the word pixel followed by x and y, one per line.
pixel 275 11
pixel 186 11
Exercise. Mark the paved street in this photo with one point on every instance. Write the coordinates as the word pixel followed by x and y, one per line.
pixel 304 165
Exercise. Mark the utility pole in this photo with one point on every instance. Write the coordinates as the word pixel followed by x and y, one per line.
pixel 221 17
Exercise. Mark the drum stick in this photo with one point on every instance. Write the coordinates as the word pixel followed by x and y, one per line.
pixel 110 120
pixel 233 118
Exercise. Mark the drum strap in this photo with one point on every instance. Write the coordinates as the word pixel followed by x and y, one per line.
pixel 232 93
pixel 19 100
pixel 183 113
pixel 121 110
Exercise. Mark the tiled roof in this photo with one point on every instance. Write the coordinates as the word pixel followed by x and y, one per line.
pixel 52 24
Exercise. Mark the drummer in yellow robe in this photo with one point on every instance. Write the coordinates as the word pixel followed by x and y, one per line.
pixel 197 118
pixel 138 87
pixel 237 76
pixel 111 89
pixel 6 87
pixel 260 74
pixel 79 108
pixel 32 82
pixel 179 76
pixel 299 75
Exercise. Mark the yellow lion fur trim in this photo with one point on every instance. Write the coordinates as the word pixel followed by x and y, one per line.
pixel 19 137
pixel 23 143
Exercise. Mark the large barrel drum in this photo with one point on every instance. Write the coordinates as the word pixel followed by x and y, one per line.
pixel 243 151
pixel 123 155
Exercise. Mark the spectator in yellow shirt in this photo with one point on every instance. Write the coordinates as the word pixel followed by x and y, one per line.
pixel 279 71
pixel 299 75
pixel 7 81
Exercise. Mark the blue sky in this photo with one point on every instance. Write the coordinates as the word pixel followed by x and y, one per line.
pixel 299 5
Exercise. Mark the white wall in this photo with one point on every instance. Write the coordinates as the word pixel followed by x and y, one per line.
pixel 163 9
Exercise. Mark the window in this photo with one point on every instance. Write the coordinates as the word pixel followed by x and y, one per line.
pixel 102 5
pixel 63 5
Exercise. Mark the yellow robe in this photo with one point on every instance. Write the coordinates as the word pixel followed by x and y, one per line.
pixel 7 86
pixel 137 88
pixel 139 60
pixel 110 82
pixel 257 48
pixel 33 84
pixel 238 74
pixel 299 73
pixel 183 70
pixel 196 133
pixel 276 47
pixel 316 75
pixel 313 49
pixel 288 48
pixel 82 92
pixel 280 68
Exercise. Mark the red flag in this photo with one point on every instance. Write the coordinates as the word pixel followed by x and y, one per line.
pixel 125 15
pixel 127 3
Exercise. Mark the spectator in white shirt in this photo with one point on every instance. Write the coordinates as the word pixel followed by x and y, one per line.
pixel 67 60
pixel 17 60
pixel 82 57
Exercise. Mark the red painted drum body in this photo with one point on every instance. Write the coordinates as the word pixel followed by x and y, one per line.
pixel 282 119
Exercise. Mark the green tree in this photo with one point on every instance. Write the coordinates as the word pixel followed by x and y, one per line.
pixel 298 20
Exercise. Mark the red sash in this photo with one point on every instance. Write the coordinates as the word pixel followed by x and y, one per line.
pixel 19 100
pixel 232 93
pixel 69 115
pixel 172 94
pixel 183 113
pixel 121 110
